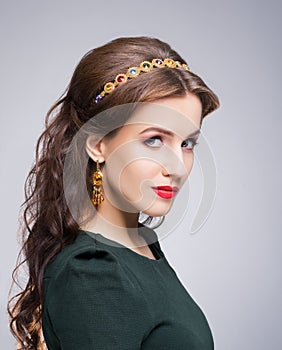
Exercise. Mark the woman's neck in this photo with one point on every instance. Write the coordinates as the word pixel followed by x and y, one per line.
pixel 116 225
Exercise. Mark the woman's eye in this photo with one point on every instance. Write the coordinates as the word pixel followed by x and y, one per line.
pixel 189 144
pixel 154 141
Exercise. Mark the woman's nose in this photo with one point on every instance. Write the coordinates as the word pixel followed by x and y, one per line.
pixel 177 163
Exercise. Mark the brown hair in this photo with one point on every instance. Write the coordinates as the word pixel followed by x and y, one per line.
pixel 47 223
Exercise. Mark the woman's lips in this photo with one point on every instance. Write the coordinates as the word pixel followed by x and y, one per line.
pixel 166 191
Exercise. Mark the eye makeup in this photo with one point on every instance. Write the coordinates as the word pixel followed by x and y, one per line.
pixel 157 141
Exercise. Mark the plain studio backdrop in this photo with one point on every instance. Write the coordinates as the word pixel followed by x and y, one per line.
pixel 232 265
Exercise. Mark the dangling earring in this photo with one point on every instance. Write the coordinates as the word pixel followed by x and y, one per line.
pixel 97 196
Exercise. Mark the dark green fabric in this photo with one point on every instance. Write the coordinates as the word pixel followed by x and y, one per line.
pixel 101 296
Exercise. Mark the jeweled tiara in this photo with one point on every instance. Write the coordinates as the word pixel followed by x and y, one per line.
pixel 133 72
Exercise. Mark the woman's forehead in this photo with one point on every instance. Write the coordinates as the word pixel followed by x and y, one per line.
pixel 151 115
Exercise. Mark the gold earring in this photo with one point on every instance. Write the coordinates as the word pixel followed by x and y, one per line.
pixel 97 196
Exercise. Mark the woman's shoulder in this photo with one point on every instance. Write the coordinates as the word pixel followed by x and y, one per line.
pixel 78 253
pixel 89 296
pixel 86 268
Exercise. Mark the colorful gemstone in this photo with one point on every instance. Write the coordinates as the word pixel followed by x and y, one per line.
pixel 146 66
pixel 109 87
pixel 133 72
pixel 157 62
pixel 169 62
pixel 185 66
pixel 120 78
pixel 97 178
pixel 98 98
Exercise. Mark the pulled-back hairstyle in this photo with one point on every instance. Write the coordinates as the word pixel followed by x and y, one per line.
pixel 47 223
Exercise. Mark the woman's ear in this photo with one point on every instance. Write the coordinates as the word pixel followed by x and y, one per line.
pixel 95 149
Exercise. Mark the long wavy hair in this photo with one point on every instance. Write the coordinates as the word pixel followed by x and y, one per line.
pixel 47 225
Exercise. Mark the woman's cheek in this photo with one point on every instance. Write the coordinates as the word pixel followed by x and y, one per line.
pixel 137 178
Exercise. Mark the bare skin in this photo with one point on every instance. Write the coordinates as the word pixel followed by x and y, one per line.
pixel 132 192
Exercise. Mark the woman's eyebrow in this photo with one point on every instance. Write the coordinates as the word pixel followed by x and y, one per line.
pixel 167 132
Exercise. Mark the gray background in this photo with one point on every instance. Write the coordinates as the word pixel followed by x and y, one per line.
pixel 232 265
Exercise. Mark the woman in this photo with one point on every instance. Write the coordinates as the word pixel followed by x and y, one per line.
pixel 118 148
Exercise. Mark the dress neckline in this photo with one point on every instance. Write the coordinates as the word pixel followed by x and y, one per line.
pixel 159 256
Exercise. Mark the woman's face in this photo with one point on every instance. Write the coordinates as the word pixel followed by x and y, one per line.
pixel 148 160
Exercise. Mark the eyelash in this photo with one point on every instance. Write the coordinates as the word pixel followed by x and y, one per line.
pixel 194 142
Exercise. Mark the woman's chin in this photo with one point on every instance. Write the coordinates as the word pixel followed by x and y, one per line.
pixel 158 210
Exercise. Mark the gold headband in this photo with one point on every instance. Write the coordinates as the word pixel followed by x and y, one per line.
pixel 133 72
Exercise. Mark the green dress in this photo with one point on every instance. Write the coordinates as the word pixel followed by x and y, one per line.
pixel 100 295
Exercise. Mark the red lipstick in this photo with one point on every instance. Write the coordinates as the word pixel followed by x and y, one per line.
pixel 166 191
